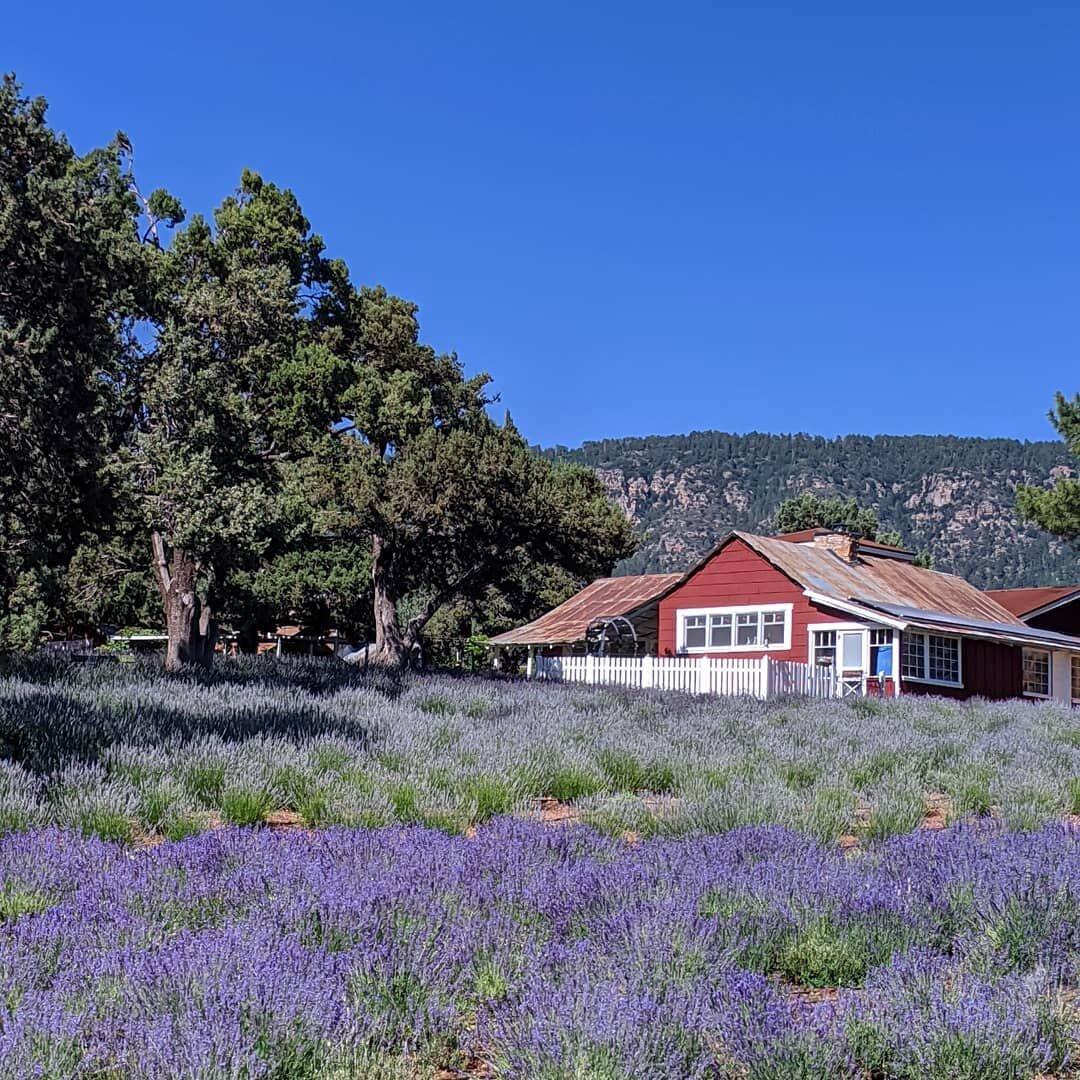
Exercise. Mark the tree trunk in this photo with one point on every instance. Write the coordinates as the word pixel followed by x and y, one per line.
pixel 189 621
pixel 247 640
pixel 390 649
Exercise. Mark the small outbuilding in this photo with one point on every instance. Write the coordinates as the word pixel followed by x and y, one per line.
pixel 612 616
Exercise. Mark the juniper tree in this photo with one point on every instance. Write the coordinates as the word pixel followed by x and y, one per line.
pixel 1057 508
pixel 236 382
pixel 451 501
pixel 73 283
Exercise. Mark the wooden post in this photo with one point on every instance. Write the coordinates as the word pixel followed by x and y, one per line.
pixel 703 675
pixel 646 672
pixel 530 663
pixel 764 689
pixel 590 669
pixel 896 662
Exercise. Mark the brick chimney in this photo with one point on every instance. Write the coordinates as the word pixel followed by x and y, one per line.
pixel 845 545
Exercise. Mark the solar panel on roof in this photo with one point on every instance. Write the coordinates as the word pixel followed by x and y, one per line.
pixel 960 621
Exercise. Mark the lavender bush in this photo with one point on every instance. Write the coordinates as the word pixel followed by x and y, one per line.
pixel 120 750
pixel 549 953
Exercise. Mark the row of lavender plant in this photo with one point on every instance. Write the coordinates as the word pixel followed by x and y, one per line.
pixel 113 749
pixel 557 954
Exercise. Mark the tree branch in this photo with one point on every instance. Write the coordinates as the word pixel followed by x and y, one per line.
pixel 161 564
pixel 418 622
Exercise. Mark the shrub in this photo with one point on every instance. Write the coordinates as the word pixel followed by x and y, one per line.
pixel 245 805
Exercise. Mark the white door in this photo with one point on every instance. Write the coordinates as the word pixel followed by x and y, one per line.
pixel 852 662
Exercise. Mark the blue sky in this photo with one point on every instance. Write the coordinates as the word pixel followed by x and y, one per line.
pixel 644 219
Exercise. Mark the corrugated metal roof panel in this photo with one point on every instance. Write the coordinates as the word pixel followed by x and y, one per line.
pixel 604 598
pixel 875 579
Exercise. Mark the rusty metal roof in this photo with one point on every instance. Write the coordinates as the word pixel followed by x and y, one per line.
pixel 873 585
pixel 604 598
pixel 921 598
pixel 876 579
pixel 1023 602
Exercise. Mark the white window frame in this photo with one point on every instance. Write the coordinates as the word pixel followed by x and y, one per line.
pixel 811 648
pixel 867 630
pixel 926 635
pixel 680 632
pixel 1049 674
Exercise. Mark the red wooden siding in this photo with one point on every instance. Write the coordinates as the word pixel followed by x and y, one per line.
pixel 987 668
pixel 1065 619
pixel 735 576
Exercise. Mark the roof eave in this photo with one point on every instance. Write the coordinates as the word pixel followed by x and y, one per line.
pixel 1004 638
pixel 1034 613
pixel 849 607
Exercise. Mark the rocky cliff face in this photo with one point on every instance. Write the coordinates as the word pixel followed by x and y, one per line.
pixel 953 497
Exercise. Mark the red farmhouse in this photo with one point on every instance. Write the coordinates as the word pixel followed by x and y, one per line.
pixel 862 609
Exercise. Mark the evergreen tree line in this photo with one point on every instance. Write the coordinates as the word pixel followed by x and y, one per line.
pixel 205 423
pixel 987 509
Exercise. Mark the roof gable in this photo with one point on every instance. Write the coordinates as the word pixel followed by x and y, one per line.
pixel 1026 602
pixel 879 580
pixel 604 598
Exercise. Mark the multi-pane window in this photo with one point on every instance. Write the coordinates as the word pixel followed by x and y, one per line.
pixel 930 658
pixel 737 628
pixel 746 628
pixel 694 631
pixel 773 624
pixel 881 651
pixel 1037 673
pixel 913 656
pixel 944 658
pixel 824 648
pixel 1074 671
pixel 719 631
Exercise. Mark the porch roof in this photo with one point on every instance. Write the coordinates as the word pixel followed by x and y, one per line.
pixel 604 598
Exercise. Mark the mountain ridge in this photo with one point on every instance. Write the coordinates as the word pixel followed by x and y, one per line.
pixel 951 495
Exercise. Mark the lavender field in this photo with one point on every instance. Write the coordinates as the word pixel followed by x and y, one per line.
pixel 533 952
pixel 122 752
pixel 693 914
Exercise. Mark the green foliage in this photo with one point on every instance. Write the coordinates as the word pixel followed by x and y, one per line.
pixel 567 783
pixel 951 497
pixel 1057 508
pixel 317 587
pixel 245 805
pixel 15 901
pixel 73 282
pixel 812 511
pixel 827 954
pixel 489 796
pixel 475 652
pixel 453 504
pixel 120 642
pixel 237 382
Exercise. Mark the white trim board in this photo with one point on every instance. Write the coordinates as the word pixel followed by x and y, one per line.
pixel 682 649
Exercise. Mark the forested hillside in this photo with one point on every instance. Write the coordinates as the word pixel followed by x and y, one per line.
pixel 951 496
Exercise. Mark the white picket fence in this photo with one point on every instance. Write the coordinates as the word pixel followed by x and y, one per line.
pixel 761 678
